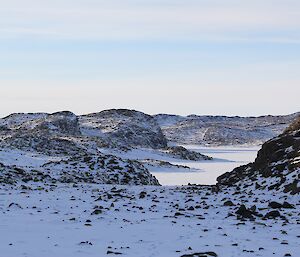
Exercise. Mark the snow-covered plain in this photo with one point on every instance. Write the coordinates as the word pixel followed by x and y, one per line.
pixel 102 220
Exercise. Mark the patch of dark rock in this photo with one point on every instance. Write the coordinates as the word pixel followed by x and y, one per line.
pixel 96 212
pixel 287 205
pixel 200 254
pixel 115 253
pixel 272 215
pixel 143 194
pixel 85 243
pixel 275 205
pixel 185 154
pixel 245 213
pixel 229 203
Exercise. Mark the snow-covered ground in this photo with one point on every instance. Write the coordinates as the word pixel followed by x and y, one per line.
pixel 142 221
pixel 24 158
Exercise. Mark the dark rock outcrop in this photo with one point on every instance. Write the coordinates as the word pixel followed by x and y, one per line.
pixel 277 166
pixel 181 152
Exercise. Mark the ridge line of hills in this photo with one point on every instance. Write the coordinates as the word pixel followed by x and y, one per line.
pixel 64 147
pixel 191 129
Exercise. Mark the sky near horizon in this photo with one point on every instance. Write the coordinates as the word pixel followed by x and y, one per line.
pixel 218 57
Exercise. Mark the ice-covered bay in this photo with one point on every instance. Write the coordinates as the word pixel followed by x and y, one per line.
pixel 225 159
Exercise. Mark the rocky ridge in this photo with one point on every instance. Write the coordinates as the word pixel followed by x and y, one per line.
pixel 222 130
pixel 276 168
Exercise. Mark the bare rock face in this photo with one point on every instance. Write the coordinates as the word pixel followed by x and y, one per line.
pixel 60 123
pixel 277 166
pixel 123 127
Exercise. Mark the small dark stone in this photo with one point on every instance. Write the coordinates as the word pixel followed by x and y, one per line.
pixel 275 205
pixel 244 212
pixel 287 205
pixel 111 252
pixel 228 203
pixel 96 212
pixel 272 215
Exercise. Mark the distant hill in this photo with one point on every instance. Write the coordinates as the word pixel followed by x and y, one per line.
pixel 222 130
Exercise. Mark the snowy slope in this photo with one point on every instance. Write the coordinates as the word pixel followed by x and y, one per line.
pixel 18 166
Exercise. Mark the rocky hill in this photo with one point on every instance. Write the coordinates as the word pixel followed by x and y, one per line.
pixel 124 128
pixel 44 133
pixel 44 136
pixel 222 130
pixel 86 168
pixel 276 168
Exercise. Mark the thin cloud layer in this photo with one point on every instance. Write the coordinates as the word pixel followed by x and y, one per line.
pixel 152 20
pixel 236 57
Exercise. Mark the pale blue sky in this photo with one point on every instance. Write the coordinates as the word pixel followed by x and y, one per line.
pixel 192 56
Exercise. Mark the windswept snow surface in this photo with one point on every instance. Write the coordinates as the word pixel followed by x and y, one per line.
pixel 23 159
pixel 141 221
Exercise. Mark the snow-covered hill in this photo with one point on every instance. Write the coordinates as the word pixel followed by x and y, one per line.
pixel 57 151
pixel 124 128
pixel 222 130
